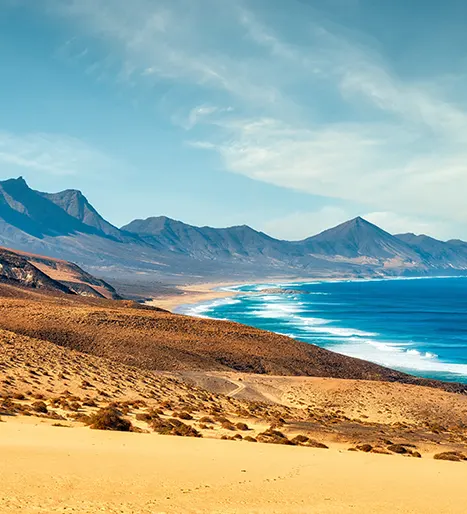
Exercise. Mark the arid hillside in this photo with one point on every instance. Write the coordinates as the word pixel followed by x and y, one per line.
pixel 53 275
pixel 66 388
pixel 153 339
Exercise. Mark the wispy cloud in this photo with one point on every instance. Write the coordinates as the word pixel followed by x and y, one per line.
pixel 52 154
pixel 392 143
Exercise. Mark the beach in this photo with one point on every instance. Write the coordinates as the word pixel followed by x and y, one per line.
pixel 52 469
pixel 193 294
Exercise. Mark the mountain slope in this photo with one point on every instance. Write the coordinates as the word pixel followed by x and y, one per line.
pixel 439 254
pixel 75 204
pixel 16 270
pixel 360 241
pixel 241 242
pixel 54 275
pixel 27 211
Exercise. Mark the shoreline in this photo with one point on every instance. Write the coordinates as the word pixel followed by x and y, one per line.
pixel 202 295
pixel 194 294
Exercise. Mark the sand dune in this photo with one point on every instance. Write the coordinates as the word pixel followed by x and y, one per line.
pixel 50 469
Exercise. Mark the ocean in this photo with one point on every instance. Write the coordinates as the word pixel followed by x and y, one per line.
pixel 418 326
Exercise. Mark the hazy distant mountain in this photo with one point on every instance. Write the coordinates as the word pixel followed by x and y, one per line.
pixel 238 243
pixel 359 241
pixel 75 204
pixel 66 226
pixel 28 211
pixel 438 254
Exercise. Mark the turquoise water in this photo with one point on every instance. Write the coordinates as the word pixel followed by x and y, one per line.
pixel 416 326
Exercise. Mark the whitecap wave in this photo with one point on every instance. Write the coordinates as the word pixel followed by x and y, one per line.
pixel 200 310
pixel 398 356
pixel 295 319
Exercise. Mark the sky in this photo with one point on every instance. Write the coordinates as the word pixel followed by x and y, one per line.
pixel 290 116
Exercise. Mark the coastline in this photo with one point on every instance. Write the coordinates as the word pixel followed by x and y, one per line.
pixel 194 294
pixel 418 361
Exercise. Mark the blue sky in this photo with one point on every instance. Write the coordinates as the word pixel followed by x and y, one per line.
pixel 287 115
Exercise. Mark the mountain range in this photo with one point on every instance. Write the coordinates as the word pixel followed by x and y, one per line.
pixel 66 226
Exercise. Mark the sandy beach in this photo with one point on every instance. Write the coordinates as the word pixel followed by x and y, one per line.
pixel 52 469
pixel 193 294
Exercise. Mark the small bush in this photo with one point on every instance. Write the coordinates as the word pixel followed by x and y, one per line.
pixel 300 439
pixel 398 448
pixel 109 418
pixel 81 418
pixel 316 444
pixel 89 403
pixel 365 448
pixel 272 436
pixel 182 415
pixel 40 407
pixel 173 427
pixel 451 456
pixel 222 419
pixel 380 451
pixel 148 416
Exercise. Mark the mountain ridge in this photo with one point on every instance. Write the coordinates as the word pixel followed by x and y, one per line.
pixel 65 225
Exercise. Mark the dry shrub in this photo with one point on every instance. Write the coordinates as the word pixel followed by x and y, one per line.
pixel 173 427
pixel 272 436
pixel 149 416
pixel 303 440
pixel 300 439
pixel 380 451
pixel 312 443
pixel 81 418
pixel 366 448
pixel 398 448
pixel 183 415
pixel 222 419
pixel 89 403
pixel 451 456
pixel 40 407
pixel 143 416
pixel 109 418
